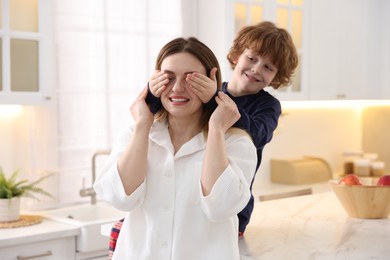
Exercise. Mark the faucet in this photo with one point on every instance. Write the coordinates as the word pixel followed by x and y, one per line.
pixel 84 192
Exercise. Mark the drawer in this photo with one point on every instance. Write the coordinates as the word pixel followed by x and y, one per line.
pixel 55 249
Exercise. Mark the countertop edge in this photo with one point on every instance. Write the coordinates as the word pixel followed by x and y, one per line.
pixel 46 230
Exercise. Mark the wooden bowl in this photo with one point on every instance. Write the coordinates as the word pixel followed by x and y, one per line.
pixel 366 201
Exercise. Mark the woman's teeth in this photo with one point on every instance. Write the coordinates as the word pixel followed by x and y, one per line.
pixel 179 99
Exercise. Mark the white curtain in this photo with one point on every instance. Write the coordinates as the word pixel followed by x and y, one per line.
pixel 105 54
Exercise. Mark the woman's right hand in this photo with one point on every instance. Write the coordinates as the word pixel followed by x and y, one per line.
pixel 157 83
pixel 140 110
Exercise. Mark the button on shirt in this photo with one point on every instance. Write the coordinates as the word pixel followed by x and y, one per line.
pixel 168 216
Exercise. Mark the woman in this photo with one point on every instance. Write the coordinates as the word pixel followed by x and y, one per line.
pixel 182 194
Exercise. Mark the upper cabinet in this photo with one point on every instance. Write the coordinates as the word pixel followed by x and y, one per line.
pixel 343 45
pixel 26 52
pixel 345 49
pixel 384 64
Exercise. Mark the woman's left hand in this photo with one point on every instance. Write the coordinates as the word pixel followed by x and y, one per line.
pixel 226 113
pixel 140 110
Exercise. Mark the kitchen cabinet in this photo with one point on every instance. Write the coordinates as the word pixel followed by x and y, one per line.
pixel 384 64
pixel 95 255
pixel 56 249
pixel 344 49
pixel 345 54
pixel 55 240
pixel 26 52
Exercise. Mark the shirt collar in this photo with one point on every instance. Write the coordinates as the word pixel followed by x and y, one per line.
pixel 159 134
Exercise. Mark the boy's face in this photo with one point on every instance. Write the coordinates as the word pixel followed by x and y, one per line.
pixel 251 74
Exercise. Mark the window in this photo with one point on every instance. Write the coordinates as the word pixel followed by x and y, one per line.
pixel 247 12
pixel 106 54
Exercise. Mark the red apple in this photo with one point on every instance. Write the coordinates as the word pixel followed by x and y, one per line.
pixel 384 180
pixel 350 179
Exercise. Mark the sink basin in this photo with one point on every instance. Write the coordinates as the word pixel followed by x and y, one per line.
pixel 89 218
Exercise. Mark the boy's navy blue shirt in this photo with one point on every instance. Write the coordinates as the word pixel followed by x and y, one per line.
pixel 260 113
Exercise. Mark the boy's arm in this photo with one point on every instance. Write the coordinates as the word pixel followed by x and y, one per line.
pixel 212 104
pixel 261 122
pixel 153 102
pixel 156 85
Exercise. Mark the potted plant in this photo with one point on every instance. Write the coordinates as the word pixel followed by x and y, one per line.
pixel 11 190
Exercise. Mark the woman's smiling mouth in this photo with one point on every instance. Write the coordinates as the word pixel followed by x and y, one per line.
pixel 178 99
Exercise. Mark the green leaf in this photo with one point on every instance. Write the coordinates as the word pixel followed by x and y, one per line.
pixel 12 187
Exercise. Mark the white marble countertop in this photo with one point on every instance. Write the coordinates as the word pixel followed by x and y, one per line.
pixel 45 230
pixel 313 227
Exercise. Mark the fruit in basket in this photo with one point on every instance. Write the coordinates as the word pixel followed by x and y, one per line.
pixel 367 201
pixel 351 179
pixel 384 180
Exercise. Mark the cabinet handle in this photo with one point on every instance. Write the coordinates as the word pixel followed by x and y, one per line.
pixel 34 256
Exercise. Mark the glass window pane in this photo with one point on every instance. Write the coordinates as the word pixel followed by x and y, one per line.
pixel 24 15
pixel 282 18
pixel 296 28
pixel 282 2
pixel 256 14
pixel 239 16
pixel 24 65
pixel 297 2
pixel 1 64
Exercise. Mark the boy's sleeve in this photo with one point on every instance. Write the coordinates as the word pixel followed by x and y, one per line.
pixel 153 102
pixel 212 104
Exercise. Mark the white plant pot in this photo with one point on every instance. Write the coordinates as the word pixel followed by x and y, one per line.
pixel 9 209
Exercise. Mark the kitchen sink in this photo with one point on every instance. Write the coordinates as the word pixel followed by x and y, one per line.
pixel 89 218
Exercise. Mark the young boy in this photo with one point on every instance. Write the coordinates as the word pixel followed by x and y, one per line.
pixel 262 55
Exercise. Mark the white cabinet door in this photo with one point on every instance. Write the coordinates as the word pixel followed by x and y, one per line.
pixel 384 65
pixel 344 49
pixel 58 249
pixel 346 53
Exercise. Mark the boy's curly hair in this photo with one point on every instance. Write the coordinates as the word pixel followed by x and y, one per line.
pixel 268 40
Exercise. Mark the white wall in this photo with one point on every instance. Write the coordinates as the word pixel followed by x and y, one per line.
pixel 320 132
pixel 28 143
pixel 212 23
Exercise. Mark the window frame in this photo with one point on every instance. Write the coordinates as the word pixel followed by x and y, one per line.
pixel 44 37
